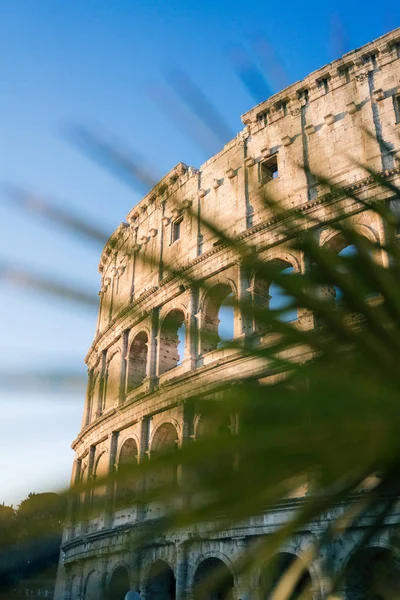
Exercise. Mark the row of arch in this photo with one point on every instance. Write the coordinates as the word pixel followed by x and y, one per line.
pixel 220 320
pixel 164 439
pixel 371 574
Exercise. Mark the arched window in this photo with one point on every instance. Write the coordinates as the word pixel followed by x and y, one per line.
pixel 160 582
pixel 218 323
pixel 269 295
pixel 99 492
pixel 280 299
pixel 119 584
pixel 172 341
pixel 91 589
pixel 126 481
pixel 164 441
pixel 216 424
pixel 213 581
pixel 276 570
pixel 348 250
pixel 137 361
pixel 372 574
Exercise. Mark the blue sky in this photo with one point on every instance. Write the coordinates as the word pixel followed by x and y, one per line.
pixel 102 62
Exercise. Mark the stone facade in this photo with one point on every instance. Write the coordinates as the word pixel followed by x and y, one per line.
pixel 139 374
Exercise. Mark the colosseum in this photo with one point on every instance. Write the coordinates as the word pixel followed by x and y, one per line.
pixel 140 373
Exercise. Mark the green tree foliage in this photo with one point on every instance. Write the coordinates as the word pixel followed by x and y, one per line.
pixel 30 538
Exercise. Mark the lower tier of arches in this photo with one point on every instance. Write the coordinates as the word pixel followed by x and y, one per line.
pixel 206 569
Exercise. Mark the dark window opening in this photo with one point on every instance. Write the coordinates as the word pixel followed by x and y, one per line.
pixel 269 169
pixel 176 230
pixel 262 117
pixel 396 102
pixel 324 84
pixel 283 107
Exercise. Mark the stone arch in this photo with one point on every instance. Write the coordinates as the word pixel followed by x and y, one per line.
pixel 268 295
pixel 372 573
pixel 137 360
pixel 336 242
pixel 213 424
pixel 91 585
pixel 213 579
pixel 99 491
pixel 214 300
pixel 118 585
pixel 163 440
pixel 335 239
pixel 272 573
pixel 172 334
pixel 160 582
pixel 126 483
pixel 112 379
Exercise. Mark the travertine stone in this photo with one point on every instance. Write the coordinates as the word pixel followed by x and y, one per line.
pixel 139 376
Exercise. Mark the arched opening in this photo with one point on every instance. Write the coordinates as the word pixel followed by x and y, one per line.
pixel 99 491
pixel 137 361
pixel 269 295
pixel 172 341
pixel 126 481
pixel 216 423
pixel 164 441
pixel 218 324
pixel 275 571
pixel 373 574
pixel 213 581
pixel 91 588
pixel 119 584
pixel 279 299
pixel 339 244
pixel 160 583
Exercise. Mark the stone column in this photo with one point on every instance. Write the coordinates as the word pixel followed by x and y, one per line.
pixel 124 363
pixel 88 492
pixel 103 579
pixel 152 354
pixel 109 504
pixel 143 455
pixel 181 572
pixel 242 590
pixel 191 342
pixel 101 384
pixel 89 399
pixel 72 501
pixel 187 437
pixel 243 321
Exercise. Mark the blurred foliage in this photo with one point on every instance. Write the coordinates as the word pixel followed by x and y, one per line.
pixel 30 537
pixel 325 432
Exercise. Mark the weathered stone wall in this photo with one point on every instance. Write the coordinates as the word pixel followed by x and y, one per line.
pixel 136 389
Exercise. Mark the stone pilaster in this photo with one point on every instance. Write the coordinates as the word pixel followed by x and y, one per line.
pixel 243 321
pixel 153 353
pixel 109 505
pixel 101 384
pixel 88 400
pixel 192 334
pixel 181 572
pixel 124 366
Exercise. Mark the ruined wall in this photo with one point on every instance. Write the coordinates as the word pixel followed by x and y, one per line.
pixel 137 388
